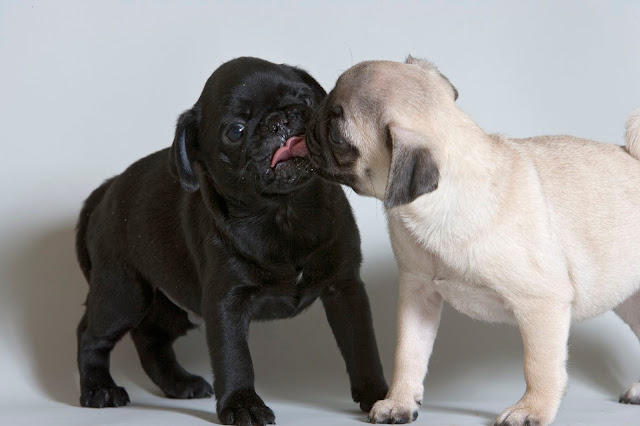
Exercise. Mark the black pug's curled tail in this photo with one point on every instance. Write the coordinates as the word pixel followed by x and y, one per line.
pixel 83 222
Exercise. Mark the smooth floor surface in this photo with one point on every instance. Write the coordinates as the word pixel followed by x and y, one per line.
pixel 475 371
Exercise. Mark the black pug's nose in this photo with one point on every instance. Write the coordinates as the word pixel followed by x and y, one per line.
pixel 277 121
pixel 290 120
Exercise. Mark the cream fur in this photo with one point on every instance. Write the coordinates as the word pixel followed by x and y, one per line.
pixel 538 232
pixel 633 134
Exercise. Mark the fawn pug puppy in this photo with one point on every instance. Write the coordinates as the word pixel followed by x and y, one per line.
pixel 538 232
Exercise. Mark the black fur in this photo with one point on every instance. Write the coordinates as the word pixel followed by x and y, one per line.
pixel 180 162
pixel 209 227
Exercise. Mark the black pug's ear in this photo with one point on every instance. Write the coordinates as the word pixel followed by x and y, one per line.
pixel 310 81
pixel 413 170
pixel 184 144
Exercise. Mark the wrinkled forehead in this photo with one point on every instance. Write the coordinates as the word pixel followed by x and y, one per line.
pixel 240 88
pixel 361 80
pixel 358 92
pixel 366 86
pixel 379 92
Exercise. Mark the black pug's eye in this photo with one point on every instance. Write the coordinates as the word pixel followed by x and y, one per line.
pixel 307 99
pixel 235 132
pixel 334 133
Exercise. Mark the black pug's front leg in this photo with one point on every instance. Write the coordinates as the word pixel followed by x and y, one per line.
pixel 227 329
pixel 349 315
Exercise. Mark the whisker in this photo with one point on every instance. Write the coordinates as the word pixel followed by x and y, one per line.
pixel 243 170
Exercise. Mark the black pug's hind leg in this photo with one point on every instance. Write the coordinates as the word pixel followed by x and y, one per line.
pixel 116 302
pixel 349 315
pixel 154 338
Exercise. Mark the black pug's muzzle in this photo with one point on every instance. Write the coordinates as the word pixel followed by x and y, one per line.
pixel 246 131
pixel 284 155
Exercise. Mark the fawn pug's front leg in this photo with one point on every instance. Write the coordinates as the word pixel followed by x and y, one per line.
pixel 419 308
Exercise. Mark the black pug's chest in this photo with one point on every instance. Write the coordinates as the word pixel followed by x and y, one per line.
pixel 288 252
pixel 286 288
pixel 288 277
pixel 283 295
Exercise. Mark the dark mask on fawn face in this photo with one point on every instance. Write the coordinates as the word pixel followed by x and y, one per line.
pixel 353 138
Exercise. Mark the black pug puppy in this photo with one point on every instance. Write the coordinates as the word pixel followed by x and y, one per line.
pixel 227 226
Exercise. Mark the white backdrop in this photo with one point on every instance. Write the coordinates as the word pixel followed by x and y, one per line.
pixel 86 88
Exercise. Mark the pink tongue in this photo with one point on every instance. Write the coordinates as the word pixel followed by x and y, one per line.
pixel 295 146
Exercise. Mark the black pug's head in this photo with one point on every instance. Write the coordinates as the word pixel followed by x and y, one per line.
pixel 246 131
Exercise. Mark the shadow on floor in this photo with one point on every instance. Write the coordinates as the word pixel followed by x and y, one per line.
pixel 295 359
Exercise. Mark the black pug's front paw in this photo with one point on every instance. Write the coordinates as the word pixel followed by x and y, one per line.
pixel 111 396
pixel 189 387
pixel 245 408
pixel 368 393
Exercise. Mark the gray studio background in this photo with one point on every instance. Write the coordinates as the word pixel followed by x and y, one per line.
pixel 86 88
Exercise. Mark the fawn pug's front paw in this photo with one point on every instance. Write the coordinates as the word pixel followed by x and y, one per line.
pixel 525 414
pixel 369 393
pixel 394 411
pixel 631 395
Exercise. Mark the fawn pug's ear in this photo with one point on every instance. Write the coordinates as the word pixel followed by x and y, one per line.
pixel 428 66
pixel 413 171
pixel 185 143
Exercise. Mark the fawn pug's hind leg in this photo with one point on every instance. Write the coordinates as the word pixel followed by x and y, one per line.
pixel 544 325
pixel 629 311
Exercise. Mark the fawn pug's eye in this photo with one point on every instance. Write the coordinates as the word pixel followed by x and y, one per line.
pixel 334 134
